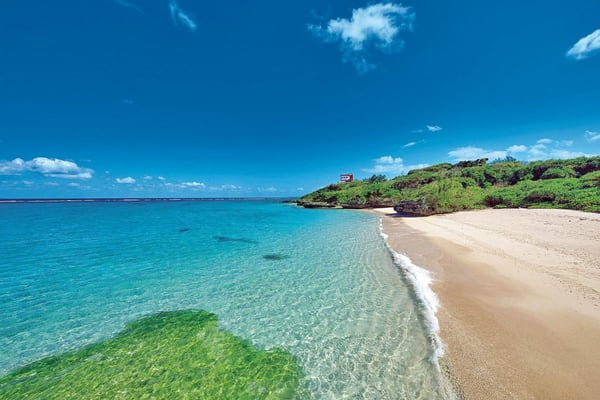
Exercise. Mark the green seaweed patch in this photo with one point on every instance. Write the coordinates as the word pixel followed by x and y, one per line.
pixel 275 257
pixel 179 354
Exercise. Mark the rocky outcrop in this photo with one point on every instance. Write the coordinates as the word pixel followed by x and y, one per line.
pixel 316 204
pixel 413 207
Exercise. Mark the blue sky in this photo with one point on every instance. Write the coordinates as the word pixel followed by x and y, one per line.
pixel 112 98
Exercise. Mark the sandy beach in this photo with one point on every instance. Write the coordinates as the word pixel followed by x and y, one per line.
pixel 520 298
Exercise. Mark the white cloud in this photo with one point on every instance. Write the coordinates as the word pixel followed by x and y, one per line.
pixel 434 128
pixel 270 189
pixel 549 148
pixel 128 4
pixel 544 148
pixel 161 178
pixel 586 46
pixel 59 168
pixel 194 184
pixel 373 27
pixel 567 143
pixel 561 153
pixel 127 180
pixel 185 185
pixel 52 167
pixel 472 153
pixel 147 178
pixel 517 148
pixel 391 165
pixel 13 167
pixel 73 184
pixel 228 187
pixel 538 150
pixel 181 17
pixel 592 136
pixel 410 144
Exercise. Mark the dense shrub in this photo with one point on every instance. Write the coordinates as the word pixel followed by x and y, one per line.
pixel 555 173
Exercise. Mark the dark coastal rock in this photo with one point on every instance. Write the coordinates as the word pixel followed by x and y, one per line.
pixel 317 204
pixel 413 207
pixel 229 239
pixel 275 257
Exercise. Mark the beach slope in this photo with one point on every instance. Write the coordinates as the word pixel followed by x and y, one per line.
pixel 520 298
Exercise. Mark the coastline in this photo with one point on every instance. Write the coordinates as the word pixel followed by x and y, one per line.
pixel 520 298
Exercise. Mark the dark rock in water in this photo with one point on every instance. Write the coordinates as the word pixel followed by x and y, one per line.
pixel 275 257
pixel 228 239
pixel 316 204
pixel 184 229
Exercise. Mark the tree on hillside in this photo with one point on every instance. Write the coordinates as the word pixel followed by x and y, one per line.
pixel 377 178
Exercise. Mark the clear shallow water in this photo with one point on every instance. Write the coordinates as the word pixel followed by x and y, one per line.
pixel 73 274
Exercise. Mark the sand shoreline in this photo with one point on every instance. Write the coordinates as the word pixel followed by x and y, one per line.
pixel 520 298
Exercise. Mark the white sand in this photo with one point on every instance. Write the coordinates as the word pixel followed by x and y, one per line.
pixel 520 298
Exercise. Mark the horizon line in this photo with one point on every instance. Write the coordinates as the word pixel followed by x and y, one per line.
pixel 128 199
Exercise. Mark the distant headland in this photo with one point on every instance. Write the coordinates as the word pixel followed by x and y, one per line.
pixel 444 188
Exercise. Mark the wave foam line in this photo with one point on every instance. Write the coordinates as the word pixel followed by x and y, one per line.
pixel 420 279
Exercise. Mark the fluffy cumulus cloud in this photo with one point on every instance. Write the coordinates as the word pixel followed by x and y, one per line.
pixel 51 167
pixel 592 136
pixel 127 180
pixel 472 153
pixel 517 148
pixel 409 144
pixel 391 165
pixel 586 46
pixel 375 27
pixel 180 17
pixel 544 148
pixel 550 148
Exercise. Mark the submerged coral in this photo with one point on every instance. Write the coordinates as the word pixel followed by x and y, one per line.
pixel 179 354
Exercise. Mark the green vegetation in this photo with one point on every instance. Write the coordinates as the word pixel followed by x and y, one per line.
pixel 170 355
pixel 443 188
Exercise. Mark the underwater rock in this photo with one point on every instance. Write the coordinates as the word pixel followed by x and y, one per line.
pixel 229 239
pixel 179 352
pixel 184 229
pixel 275 257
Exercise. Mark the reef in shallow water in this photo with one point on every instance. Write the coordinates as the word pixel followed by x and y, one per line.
pixel 230 239
pixel 178 354
pixel 275 257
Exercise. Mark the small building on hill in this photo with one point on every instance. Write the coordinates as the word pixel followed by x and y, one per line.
pixel 346 177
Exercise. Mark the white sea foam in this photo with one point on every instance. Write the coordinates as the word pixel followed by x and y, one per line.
pixel 420 279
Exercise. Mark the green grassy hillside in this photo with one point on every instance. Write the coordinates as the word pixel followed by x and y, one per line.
pixel 443 188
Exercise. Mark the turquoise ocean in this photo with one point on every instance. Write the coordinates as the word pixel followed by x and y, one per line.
pixel 320 284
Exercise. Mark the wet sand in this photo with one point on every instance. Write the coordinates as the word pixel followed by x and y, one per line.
pixel 520 298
